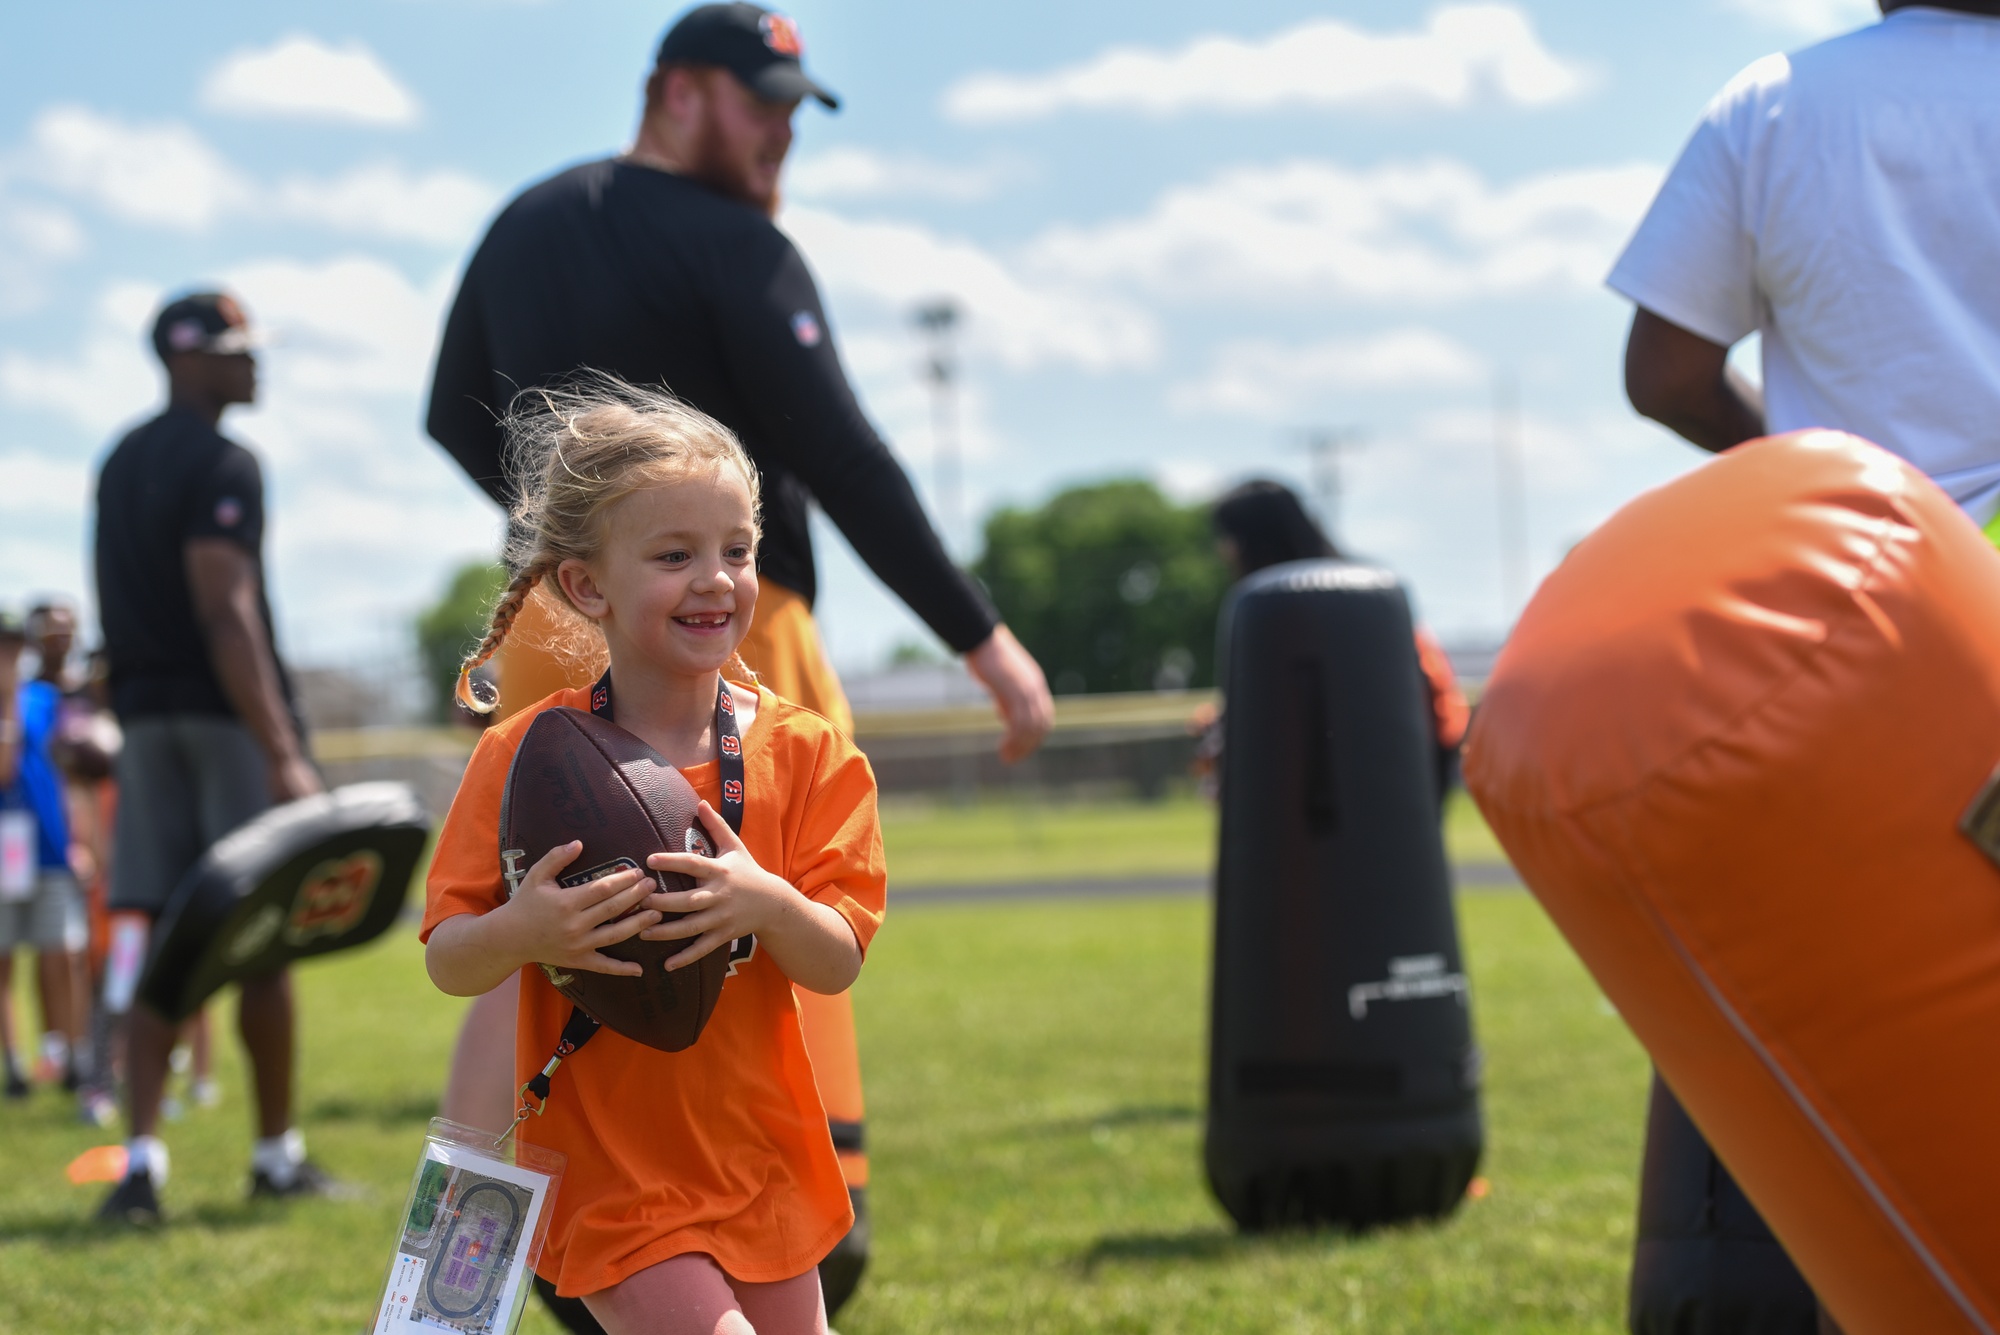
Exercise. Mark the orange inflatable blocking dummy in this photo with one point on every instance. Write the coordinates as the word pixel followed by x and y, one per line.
pixel 1730 746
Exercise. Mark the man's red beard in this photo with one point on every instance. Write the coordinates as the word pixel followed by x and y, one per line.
pixel 715 167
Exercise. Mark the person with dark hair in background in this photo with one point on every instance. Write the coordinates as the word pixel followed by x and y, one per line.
pixel 211 737
pixel 1263 523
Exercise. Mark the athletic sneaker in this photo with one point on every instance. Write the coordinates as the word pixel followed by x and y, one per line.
pixel 206 1093
pixel 17 1084
pixel 308 1179
pixel 94 1107
pixel 133 1201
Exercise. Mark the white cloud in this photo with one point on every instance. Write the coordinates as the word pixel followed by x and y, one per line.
pixel 34 238
pixel 110 379
pixel 1460 51
pixel 891 266
pixel 165 174
pixel 302 76
pixel 1433 231
pixel 1810 18
pixel 850 172
pixel 37 483
pixel 1272 381
pixel 351 326
pixel 1190 480
pixel 443 207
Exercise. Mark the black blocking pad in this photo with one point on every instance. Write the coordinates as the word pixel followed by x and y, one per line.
pixel 1343 1076
pixel 324 873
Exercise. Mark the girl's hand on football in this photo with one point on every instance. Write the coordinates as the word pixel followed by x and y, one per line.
pixel 570 925
pixel 732 897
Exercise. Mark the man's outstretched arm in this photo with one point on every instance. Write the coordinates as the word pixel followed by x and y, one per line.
pixel 808 420
pixel 1685 383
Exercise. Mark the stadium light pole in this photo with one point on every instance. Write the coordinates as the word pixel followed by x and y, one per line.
pixel 1324 446
pixel 938 320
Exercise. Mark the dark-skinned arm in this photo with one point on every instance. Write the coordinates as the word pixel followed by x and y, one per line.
pixel 1685 383
pixel 223 579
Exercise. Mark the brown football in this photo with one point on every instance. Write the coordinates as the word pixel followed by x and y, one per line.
pixel 577 776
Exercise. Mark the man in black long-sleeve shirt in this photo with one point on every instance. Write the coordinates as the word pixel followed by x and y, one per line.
pixel 663 267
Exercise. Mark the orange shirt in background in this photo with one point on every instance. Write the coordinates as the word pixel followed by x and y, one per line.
pixel 722 1148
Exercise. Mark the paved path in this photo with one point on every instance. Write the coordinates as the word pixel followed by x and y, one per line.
pixel 1467 875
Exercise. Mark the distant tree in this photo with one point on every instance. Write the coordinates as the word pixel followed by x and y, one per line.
pixel 913 653
pixel 449 629
pixel 1112 587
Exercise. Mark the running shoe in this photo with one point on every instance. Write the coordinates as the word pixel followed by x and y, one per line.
pixel 134 1201
pixel 308 1179
pixel 94 1107
pixel 17 1084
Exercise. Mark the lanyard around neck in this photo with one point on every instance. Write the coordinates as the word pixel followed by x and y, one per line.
pixel 581 1026
pixel 728 744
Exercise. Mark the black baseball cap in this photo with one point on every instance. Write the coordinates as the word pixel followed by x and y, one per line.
pixel 202 322
pixel 761 48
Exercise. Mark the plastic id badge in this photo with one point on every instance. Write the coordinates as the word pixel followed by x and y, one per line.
pixel 17 856
pixel 472 1231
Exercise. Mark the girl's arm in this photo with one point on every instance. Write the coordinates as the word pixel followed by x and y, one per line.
pixel 567 926
pixel 733 897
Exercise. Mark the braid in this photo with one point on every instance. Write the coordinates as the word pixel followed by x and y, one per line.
pixel 504 612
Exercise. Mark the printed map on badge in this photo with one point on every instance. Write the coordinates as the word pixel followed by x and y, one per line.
pixel 473 1251
pixel 460 1262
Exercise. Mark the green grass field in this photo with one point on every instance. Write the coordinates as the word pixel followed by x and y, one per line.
pixel 936 843
pixel 1034 1080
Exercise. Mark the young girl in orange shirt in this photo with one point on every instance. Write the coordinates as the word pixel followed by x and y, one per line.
pixel 702 1187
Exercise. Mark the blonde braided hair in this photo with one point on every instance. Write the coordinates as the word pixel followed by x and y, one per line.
pixel 575 451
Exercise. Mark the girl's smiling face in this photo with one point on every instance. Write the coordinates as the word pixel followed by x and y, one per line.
pixel 675 580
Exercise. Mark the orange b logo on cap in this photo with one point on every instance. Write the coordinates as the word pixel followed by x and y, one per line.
pixel 782 35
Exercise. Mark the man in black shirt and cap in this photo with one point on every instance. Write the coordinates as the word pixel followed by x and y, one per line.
pixel 663 266
pixel 211 737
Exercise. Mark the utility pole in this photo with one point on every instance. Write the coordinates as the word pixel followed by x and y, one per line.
pixel 938 321
pixel 1511 493
pixel 1324 446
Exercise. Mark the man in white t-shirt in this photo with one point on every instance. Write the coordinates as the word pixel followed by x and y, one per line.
pixel 1844 201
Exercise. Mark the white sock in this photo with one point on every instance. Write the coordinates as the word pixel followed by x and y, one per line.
pixel 279 1157
pixel 148 1155
pixel 55 1049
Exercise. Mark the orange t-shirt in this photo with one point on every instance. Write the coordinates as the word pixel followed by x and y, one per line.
pixel 722 1148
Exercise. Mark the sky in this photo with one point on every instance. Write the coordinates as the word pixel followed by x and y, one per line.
pixel 1186 239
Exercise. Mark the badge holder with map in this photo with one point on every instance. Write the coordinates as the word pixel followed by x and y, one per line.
pixel 472 1230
